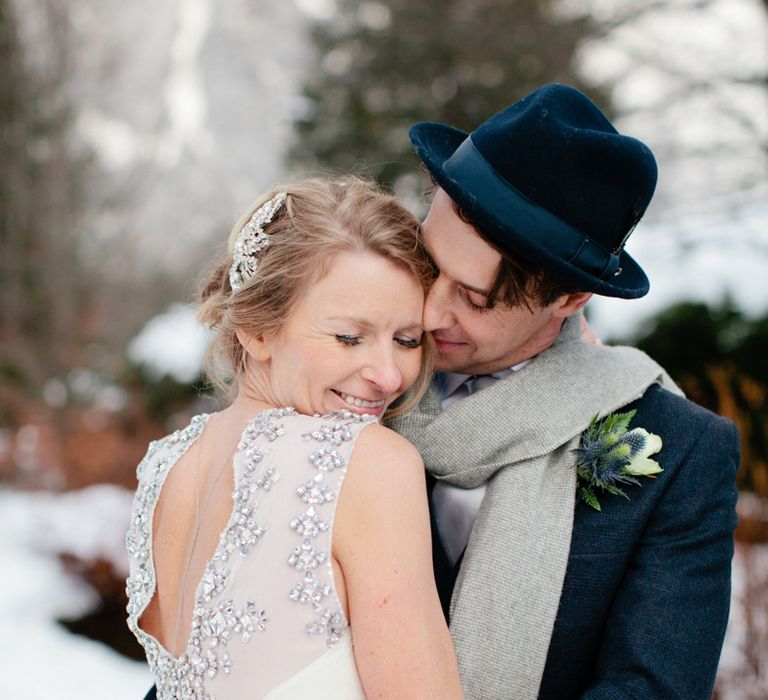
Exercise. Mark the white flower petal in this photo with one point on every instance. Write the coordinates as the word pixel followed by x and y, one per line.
pixel 642 466
pixel 652 442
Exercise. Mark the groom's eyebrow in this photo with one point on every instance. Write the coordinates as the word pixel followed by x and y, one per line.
pixel 455 280
pixel 476 290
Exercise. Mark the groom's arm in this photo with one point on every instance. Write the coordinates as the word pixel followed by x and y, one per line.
pixel 665 630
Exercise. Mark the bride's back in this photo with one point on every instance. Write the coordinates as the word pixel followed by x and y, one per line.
pixel 261 611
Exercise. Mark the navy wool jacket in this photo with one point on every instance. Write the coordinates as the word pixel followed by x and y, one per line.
pixel 646 594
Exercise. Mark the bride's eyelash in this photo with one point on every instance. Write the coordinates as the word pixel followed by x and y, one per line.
pixel 352 340
pixel 410 343
pixel 349 340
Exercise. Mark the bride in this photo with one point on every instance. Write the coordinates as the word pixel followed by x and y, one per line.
pixel 280 548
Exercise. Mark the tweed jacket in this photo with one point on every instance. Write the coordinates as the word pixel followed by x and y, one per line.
pixel 645 599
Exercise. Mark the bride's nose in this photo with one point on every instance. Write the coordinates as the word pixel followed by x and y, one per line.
pixel 382 371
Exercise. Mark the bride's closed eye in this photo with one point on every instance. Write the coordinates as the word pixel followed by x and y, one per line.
pixel 410 343
pixel 349 340
pixel 406 342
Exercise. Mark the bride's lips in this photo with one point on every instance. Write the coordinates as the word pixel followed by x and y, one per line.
pixel 361 405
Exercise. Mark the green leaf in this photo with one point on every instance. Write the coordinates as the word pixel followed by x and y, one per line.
pixel 593 430
pixel 615 490
pixel 588 496
pixel 618 422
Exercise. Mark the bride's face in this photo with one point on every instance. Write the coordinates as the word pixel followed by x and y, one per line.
pixel 353 340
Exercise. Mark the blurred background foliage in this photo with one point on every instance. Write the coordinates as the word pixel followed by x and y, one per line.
pixel 373 69
pixel 718 357
pixel 104 213
pixel 41 178
pixel 384 66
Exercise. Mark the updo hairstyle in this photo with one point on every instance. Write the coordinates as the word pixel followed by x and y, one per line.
pixel 320 219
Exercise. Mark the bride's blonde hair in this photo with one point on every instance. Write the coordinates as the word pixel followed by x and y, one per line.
pixel 320 219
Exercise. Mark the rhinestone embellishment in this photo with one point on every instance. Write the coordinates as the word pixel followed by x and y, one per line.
pixel 225 614
pixel 251 242
pixel 215 620
pixel 315 587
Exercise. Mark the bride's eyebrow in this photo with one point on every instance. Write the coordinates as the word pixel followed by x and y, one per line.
pixel 358 321
pixel 368 325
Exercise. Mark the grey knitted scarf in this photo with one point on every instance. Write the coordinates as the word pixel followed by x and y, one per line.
pixel 519 435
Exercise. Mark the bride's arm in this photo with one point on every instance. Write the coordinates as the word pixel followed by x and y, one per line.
pixel 382 542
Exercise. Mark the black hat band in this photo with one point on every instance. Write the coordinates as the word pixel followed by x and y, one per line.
pixel 511 205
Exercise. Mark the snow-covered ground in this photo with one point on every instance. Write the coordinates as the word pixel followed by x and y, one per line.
pixel 743 672
pixel 41 660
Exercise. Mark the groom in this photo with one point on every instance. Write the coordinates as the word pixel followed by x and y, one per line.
pixel 547 596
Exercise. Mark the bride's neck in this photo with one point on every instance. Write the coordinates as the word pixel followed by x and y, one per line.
pixel 249 402
pixel 253 393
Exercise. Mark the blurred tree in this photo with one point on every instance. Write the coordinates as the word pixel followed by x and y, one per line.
pixel 384 65
pixel 41 310
pixel 691 78
pixel 718 358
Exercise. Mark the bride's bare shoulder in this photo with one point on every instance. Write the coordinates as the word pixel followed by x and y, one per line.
pixel 379 447
pixel 385 475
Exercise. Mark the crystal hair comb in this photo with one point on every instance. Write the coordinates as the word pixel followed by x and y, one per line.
pixel 251 241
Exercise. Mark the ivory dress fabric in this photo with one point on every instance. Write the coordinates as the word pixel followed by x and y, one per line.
pixel 267 621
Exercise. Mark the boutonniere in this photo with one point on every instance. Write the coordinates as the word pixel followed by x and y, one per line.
pixel 611 455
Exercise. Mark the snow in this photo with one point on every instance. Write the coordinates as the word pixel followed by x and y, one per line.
pixel 317 9
pixel 118 144
pixel 47 660
pixel 743 670
pixel 173 343
pixel 183 119
pixel 35 527
pixel 715 252
pixel 185 96
pixel 685 78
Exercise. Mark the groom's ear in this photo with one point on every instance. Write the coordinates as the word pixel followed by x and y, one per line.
pixel 568 304
pixel 254 345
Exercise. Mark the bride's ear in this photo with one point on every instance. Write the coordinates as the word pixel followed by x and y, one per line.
pixel 254 345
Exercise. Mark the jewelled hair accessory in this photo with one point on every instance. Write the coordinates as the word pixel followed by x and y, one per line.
pixel 251 242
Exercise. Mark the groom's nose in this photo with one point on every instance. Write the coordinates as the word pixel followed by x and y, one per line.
pixel 437 314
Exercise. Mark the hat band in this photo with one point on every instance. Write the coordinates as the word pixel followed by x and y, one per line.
pixel 520 214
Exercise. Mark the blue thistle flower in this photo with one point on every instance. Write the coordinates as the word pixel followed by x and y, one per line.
pixel 611 455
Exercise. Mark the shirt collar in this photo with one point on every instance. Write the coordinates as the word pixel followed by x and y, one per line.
pixel 448 382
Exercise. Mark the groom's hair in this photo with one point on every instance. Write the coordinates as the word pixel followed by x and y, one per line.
pixel 519 282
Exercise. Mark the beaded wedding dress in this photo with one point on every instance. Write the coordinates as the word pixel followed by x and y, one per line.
pixel 267 621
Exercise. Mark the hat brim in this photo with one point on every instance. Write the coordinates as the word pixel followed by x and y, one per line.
pixel 435 143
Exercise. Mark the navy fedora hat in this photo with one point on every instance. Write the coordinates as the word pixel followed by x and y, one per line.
pixel 550 180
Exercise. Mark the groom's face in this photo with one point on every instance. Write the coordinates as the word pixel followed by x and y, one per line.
pixel 471 338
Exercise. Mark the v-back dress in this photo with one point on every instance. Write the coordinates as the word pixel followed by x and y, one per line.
pixel 267 620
